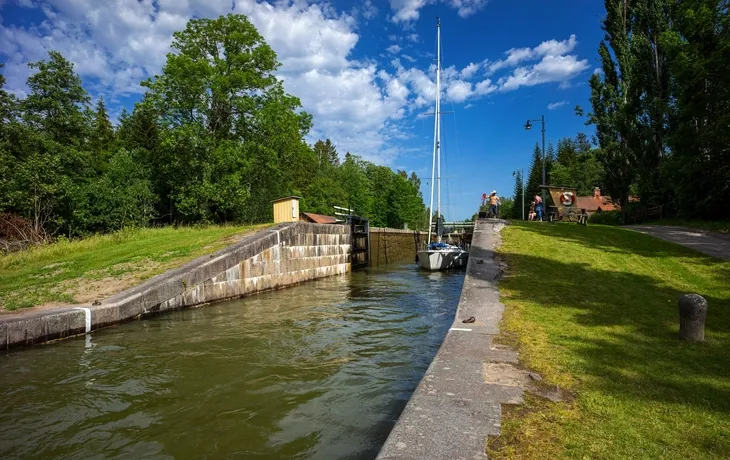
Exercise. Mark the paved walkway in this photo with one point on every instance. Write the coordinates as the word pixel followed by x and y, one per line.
pixel 711 243
pixel 458 402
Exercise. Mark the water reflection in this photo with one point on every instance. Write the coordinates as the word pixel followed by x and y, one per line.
pixel 321 370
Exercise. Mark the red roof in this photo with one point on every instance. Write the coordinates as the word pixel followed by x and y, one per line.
pixel 319 218
pixel 593 203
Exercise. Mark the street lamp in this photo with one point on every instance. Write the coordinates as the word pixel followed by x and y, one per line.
pixel 522 175
pixel 528 125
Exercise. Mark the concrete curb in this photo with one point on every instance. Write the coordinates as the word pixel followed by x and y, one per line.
pixel 254 264
pixel 455 407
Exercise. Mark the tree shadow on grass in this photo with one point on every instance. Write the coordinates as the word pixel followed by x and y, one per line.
pixel 620 330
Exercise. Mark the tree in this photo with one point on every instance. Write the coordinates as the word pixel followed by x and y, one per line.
pixel 326 153
pixel 614 102
pixel 534 178
pixel 516 212
pixel 233 139
pixel 102 135
pixel 56 101
pixel 697 170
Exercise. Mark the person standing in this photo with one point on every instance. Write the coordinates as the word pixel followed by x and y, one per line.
pixel 494 204
pixel 538 206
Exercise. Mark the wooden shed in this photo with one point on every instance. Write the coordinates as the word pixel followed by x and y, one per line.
pixel 286 209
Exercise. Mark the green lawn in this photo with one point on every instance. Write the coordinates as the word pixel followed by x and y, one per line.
pixel 594 310
pixel 717 226
pixel 96 267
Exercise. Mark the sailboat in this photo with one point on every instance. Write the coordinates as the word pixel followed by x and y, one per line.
pixel 439 255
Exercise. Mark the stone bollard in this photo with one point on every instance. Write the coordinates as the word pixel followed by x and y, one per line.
pixel 692 314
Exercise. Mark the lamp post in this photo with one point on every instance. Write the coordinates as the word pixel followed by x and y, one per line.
pixel 528 125
pixel 522 176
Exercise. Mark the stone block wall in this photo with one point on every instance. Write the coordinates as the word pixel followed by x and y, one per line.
pixel 391 245
pixel 281 256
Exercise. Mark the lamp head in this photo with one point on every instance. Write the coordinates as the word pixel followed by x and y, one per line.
pixel 528 125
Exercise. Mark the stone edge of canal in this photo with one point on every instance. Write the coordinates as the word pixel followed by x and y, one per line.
pixel 280 256
pixel 455 407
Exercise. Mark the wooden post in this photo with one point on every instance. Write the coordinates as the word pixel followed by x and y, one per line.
pixel 692 314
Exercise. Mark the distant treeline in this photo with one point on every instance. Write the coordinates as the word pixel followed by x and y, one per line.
pixel 214 139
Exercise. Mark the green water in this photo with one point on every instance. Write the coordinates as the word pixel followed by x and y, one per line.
pixel 320 371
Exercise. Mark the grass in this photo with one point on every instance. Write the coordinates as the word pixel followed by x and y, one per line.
pixel 594 310
pixel 95 267
pixel 715 226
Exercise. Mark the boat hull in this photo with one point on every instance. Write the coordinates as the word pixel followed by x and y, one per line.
pixel 442 260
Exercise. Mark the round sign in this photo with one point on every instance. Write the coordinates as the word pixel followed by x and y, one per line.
pixel 567 198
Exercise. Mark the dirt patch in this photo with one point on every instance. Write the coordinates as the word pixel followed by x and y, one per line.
pixel 87 290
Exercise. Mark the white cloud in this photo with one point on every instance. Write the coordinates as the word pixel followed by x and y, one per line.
pixel 413 38
pixel 468 106
pixel 556 105
pixel 369 11
pixel 469 71
pixel 408 58
pixel 485 87
pixel 407 11
pixel 516 56
pixel 394 49
pixel 467 7
pixel 459 91
pixel 550 69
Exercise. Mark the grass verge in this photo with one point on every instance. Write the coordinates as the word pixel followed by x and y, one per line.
pixel 96 267
pixel 594 310
pixel 715 226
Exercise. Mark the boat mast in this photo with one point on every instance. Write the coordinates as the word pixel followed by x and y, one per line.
pixel 438 127
pixel 435 133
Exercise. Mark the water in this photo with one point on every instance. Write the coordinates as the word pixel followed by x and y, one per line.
pixel 321 371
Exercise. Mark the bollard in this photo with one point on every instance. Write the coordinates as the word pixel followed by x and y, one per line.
pixel 692 314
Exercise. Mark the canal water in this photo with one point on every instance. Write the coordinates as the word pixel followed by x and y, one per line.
pixel 317 371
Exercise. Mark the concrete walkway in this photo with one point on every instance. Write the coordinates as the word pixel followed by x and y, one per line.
pixel 711 243
pixel 458 402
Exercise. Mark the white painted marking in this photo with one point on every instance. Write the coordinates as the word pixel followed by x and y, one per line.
pixel 459 329
pixel 87 313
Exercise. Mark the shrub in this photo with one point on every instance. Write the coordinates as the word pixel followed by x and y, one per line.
pixel 605 218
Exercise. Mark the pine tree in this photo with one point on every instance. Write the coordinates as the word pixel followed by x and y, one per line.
pixel 534 178
pixel 517 208
pixel 102 136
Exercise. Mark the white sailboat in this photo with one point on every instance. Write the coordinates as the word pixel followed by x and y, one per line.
pixel 439 255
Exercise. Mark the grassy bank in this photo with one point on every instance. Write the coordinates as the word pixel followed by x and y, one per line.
pixel 594 310
pixel 96 267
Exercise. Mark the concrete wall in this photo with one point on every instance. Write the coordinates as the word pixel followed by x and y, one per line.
pixel 389 245
pixel 284 255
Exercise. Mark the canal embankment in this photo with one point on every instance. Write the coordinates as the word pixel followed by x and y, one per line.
pixel 283 255
pixel 457 404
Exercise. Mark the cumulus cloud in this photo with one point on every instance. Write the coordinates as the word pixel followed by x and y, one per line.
pixel 551 69
pixel 459 90
pixel 394 49
pixel 516 56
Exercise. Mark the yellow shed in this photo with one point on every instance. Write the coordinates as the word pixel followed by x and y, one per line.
pixel 286 209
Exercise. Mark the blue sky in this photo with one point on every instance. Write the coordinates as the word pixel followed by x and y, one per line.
pixel 365 70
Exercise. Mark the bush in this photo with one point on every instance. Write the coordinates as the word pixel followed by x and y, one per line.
pixel 605 218
pixel 18 233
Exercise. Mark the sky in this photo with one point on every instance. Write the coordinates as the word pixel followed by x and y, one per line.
pixel 365 70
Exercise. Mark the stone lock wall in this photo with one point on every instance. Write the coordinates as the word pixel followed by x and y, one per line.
pixel 390 245
pixel 281 256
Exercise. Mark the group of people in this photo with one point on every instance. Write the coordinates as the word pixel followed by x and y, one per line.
pixel 536 207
